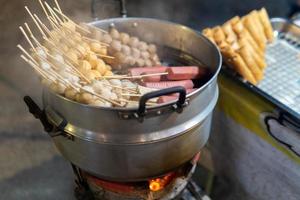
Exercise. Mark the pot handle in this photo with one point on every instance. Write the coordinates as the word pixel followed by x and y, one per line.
pixel 40 114
pixel 179 104
pixel 123 10
pixel 35 110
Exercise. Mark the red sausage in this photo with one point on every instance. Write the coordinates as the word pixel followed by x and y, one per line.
pixel 165 99
pixel 140 70
pixel 172 97
pixel 187 84
pixel 184 73
pixel 151 78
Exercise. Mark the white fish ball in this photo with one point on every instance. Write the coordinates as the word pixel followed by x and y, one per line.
pixel 87 88
pixel 114 33
pixel 70 93
pixel 128 84
pixel 115 82
pixel 98 102
pixel 41 52
pixel 116 45
pixel 148 63
pixel 86 98
pixel 133 42
pixel 61 88
pixel 45 66
pixel 142 46
pixel 155 58
pixel 98 34
pixel 125 49
pixel 84 65
pixel 145 54
pixel 46 82
pixel 96 47
pixel 129 60
pixel 124 38
pixel 135 53
pixel 106 92
pixel 140 62
pixel 97 86
pixel 113 96
pixel 152 48
pixel 107 104
pixel 107 38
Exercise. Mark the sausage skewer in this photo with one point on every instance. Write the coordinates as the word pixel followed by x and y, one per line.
pixel 134 77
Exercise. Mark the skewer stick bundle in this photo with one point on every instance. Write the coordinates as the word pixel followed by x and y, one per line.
pixel 35 67
pixel 69 20
pixel 26 53
pixel 51 60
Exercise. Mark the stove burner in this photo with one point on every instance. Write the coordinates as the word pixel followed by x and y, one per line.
pixel 176 185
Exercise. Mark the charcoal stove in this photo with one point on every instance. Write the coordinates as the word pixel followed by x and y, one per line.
pixel 175 185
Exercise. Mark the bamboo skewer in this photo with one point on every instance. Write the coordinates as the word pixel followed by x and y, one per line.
pixel 94 27
pixel 132 95
pixel 135 77
pixel 34 66
pixel 147 103
pixel 32 36
pixel 118 87
pixel 43 25
pixel 104 56
pixel 53 14
pixel 101 97
pixel 57 5
pixel 49 12
pixel 34 20
pixel 55 24
pixel 54 46
pixel 45 11
pixel 93 40
pixel 27 38
pixel 26 53
pixel 69 20
pixel 43 7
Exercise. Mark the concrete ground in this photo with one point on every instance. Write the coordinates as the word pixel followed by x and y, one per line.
pixel 30 166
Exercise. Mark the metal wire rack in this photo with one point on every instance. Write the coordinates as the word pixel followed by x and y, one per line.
pixel 282 75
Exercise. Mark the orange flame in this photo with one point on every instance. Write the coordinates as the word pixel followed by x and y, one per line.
pixel 160 183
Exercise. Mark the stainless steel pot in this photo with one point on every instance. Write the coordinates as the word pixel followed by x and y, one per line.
pixel 125 144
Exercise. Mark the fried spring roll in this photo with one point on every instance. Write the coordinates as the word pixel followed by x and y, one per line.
pixel 250 25
pixel 248 58
pixel 242 32
pixel 259 60
pixel 219 35
pixel 234 20
pixel 230 35
pixel 242 69
pixel 208 32
pixel 238 64
pixel 259 25
pixel 264 18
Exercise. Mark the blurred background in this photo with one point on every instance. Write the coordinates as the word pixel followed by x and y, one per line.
pixel 30 166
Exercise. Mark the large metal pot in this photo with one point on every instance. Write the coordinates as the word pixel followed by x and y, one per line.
pixel 135 144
